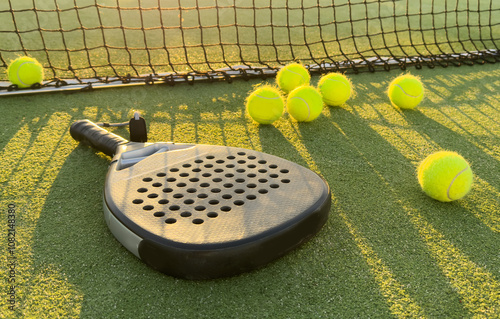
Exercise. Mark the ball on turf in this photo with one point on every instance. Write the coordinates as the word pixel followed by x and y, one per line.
pixel 25 71
pixel 445 176
pixel 265 105
pixel 304 103
pixel 291 76
pixel 406 91
pixel 335 88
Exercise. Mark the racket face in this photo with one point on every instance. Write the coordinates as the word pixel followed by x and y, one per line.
pixel 213 211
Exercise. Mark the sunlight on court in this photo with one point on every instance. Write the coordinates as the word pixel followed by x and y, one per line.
pixel 14 151
pixel 477 128
pixel 291 132
pixel 92 113
pixel 400 302
pixel 484 203
pixel 29 184
pixel 212 128
pixel 478 288
pixel 210 133
pixel 184 129
pixel 394 128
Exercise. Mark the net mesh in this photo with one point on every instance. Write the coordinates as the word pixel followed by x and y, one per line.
pixel 147 40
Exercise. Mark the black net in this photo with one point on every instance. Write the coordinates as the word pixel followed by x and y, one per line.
pixel 172 40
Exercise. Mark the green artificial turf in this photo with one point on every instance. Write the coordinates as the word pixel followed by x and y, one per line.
pixel 387 250
pixel 90 38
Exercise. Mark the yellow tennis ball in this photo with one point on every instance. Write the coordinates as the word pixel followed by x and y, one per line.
pixel 445 176
pixel 291 76
pixel 335 88
pixel 406 91
pixel 25 71
pixel 265 104
pixel 304 103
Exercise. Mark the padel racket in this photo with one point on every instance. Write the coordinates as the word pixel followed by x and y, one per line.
pixel 203 211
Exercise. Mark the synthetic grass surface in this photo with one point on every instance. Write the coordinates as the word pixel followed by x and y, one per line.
pixel 89 38
pixel 387 250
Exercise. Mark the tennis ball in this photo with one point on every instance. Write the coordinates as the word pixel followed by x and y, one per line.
pixel 335 88
pixel 445 176
pixel 291 76
pixel 406 91
pixel 265 104
pixel 25 71
pixel 304 103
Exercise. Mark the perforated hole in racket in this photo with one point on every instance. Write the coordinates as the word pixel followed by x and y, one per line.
pixel 206 188
pixel 208 196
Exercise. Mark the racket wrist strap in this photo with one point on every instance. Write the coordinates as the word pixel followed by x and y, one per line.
pixel 138 130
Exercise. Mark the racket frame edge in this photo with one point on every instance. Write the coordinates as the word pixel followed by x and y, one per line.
pixel 203 264
pixel 124 235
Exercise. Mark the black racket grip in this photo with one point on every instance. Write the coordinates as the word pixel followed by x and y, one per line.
pixel 89 133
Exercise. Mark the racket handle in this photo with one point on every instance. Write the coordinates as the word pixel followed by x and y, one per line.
pixel 89 133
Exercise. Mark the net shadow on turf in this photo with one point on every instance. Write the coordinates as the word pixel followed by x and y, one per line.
pixel 105 43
